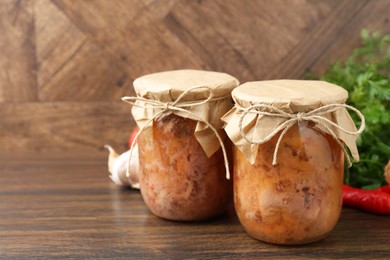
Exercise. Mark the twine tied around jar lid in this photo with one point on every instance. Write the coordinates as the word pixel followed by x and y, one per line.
pixel 314 116
pixel 178 105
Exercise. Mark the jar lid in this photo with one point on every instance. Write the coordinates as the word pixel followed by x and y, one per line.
pixel 265 108
pixel 293 95
pixel 203 96
pixel 167 86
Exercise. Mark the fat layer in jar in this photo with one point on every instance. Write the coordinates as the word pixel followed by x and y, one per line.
pixel 178 181
pixel 297 201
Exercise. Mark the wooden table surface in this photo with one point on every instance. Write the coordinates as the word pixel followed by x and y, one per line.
pixel 64 207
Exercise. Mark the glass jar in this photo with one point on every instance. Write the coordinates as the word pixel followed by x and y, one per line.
pixel 178 181
pixel 289 158
pixel 297 201
pixel 182 164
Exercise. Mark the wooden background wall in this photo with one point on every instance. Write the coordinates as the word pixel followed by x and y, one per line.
pixel 65 64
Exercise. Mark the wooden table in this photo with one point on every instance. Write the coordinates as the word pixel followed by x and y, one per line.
pixel 64 207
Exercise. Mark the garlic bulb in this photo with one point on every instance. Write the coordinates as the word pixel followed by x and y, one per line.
pixel 117 166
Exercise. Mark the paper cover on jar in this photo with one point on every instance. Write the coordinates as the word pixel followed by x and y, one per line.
pixel 205 97
pixel 264 108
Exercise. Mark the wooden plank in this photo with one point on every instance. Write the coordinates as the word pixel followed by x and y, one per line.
pixel 299 59
pixel 245 38
pixel 374 16
pixel 72 68
pixel 66 126
pixel 108 20
pixel 71 210
pixel 140 43
pixel 18 65
pixel 81 52
pixel 57 39
pixel 89 74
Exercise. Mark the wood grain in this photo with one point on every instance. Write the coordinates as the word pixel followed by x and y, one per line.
pixel 18 64
pixel 65 64
pixel 69 209
pixel 56 54
pixel 373 15
pixel 68 126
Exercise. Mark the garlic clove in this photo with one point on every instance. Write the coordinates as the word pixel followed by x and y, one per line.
pixel 117 166
pixel 113 155
pixel 133 167
pixel 118 176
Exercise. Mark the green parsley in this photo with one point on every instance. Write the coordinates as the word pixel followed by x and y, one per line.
pixel 366 76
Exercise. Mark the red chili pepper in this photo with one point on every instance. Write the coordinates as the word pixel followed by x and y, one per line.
pixel 132 136
pixel 385 188
pixel 375 201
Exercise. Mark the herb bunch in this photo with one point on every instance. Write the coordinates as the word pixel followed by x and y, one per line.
pixel 366 76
